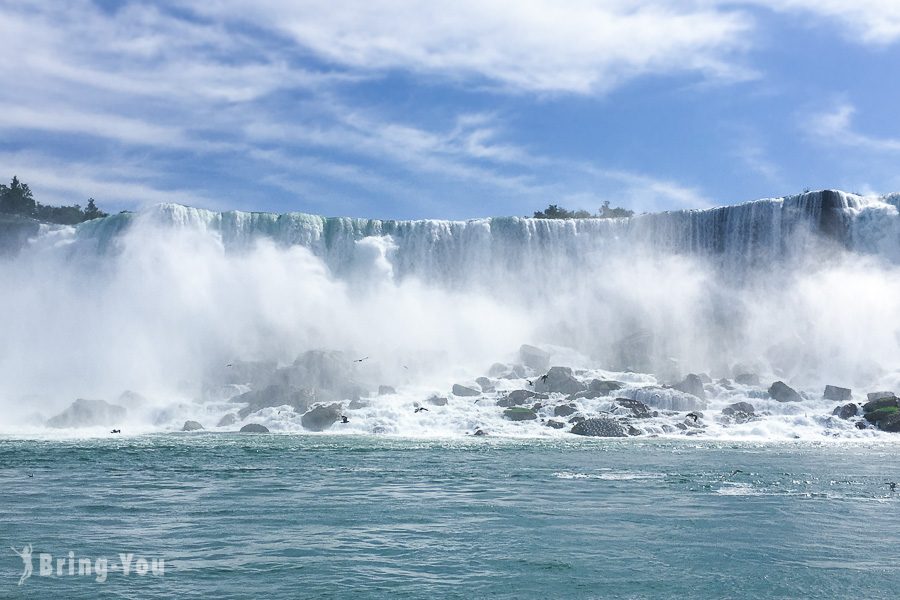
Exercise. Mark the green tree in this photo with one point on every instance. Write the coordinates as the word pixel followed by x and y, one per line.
pixel 17 198
pixel 92 212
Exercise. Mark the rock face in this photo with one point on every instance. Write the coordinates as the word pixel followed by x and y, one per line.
pixel 782 392
pixel 846 411
pixel 321 417
pixel 518 413
pixel 890 423
pixel 836 394
pixel 227 420
pixel 275 395
pixel 554 424
pixel 519 397
pixel 534 357
pixel 693 385
pixel 559 380
pixel 879 395
pixel 254 428
pixel 191 426
pixel 465 390
pixel 89 413
pixel 384 390
pixel 600 427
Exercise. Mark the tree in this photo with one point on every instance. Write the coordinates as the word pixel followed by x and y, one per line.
pixel 92 212
pixel 17 198
pixel 606 212
pixel 614 213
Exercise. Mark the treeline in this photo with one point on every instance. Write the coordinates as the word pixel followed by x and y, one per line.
pixel 17 199
pixel 606 212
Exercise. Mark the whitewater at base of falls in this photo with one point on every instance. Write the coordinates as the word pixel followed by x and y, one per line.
pixel 804 289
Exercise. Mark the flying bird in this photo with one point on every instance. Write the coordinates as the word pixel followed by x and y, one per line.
pixel 359 360
pixel 420 409
pixel 892 485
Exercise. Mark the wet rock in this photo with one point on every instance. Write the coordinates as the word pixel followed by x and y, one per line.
pixel 739 412
pixel 632 430
pixel 887 413
pixel 604 386
pixel 872 396
pixel 191 426
pixel 846 411
pixel 705 378
pixel 479 433
pixel 518 413
pixel 385 390
pixel 782 392
pixel 576 419
pixel 89 413
pixel 275 395
pixel 747 379
pixel 564 410
pixel 588 395
pixel 890 423
pixel 693 385
pixel 436 400
pixel 227 420
pixel 254 428
pixel 836 394
pixel 665 398
pixel 486 384
pixel 465 390
pixel 636 408
pixel 357 404
pixel 880 402
pixel 321 417
pixel 861 425
pixel 599 427
pixel 329 375
pixel 555 424
pixel 534 357
pixel 558 380
pixel 519 397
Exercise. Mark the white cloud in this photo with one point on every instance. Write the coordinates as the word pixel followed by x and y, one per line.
pixel 870 21
pixel 835 126
pixel 577 46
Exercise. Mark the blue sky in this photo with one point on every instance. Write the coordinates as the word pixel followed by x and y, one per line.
pixel 413 109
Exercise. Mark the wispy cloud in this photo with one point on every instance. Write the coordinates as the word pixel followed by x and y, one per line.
pixel 835 126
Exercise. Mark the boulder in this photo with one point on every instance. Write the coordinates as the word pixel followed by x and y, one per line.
pixel 740 412
pixel 227 420
pixel 605 386
pixel 846 411
pixel 739 407
pixel 89 413
pixel 576 419
pixel 275 395
pixel 554 424
pixel 519 397
pixel 534 357
pixel 665 398
pixel 321 417
pixel 599 427
pixel 518 413
pixel 782 392
pixel 882 414
pixel 486 384
pixel 191 426
pixel 254 428
pixel 693 385
pixel 385 390
pixel 564 410
pixel 465 390
pixel 357 404
pixel 558 380
pixel 879 395
pixel 890 423
pixel 836 394
pixel 436 400
pixel 479 433
pixel 879 403
pixel 634 408
pixel 747 379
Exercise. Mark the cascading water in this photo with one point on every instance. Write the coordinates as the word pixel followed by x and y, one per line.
pixel 804 288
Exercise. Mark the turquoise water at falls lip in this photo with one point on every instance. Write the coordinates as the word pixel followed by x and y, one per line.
pixel 241 516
